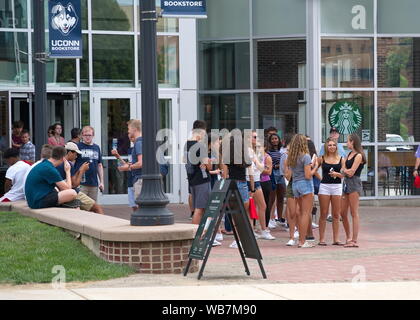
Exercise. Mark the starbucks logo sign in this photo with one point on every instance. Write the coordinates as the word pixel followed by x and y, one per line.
pixel 345 116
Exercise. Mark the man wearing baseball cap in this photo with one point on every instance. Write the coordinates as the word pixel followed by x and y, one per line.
pixel 73 151
pixel 334 134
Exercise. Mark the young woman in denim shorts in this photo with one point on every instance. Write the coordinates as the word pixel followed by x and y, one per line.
pixel 300 162
pixel 256 154
pixel 352 187
pixel 236 171
pixel 330 189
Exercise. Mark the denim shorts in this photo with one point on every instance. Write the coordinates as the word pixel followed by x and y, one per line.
pixel 277 178
pixel 257 185
pixel 243 190
pixel 302 187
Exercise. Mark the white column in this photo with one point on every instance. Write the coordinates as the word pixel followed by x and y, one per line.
pixel 313 49
pixel 188 94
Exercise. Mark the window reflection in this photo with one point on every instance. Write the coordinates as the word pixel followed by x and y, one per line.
pixel 285 111
pixel 228 111
pixel 398 117
pixel 397 62
pixel 116 15
pixel 279 63
pixel 110 66
pixel 13 58
pixel 347 63
pixel 224 65
pixel 13 14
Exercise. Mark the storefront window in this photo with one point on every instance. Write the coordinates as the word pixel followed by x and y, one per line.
pixel 225 19
pixel 368 176
pixel 347 63
pixel 13 58
pixel 395 171
pixel 61 72
pixel 399 117
pixel 84 62
pixel 113 60
pixel 115 15
pixel 167 61
pixel 398 16
pixel 347 16
pixel 278 63
pixel 349 112
pixel 226 111
pixel 224 65
pixel 285 111
pixel 13 14
pixel 273 18
pixel 399 62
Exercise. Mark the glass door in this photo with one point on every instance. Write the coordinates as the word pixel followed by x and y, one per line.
pixel 109 118
pixel 168 108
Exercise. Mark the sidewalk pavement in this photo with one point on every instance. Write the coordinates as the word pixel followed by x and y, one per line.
pixel 324 291
pixel 385 266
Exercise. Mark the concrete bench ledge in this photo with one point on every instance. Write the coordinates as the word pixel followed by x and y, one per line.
pixel 100 226
pixel 157 249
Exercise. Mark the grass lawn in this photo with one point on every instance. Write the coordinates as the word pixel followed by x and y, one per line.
pixel 29 250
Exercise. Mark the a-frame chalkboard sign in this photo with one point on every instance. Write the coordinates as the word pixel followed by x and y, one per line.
pixel 225 199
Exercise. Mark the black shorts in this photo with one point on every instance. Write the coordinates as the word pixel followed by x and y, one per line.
pixel 50 200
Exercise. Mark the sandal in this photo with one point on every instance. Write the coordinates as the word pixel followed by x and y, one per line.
pixel 338 243
pixel 351 245
pixel 323 244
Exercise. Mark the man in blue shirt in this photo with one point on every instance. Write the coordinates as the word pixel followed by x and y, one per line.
pixel 90 153
pixel 87 203
pixel 40 184
pixel 134 134
pixel 334 134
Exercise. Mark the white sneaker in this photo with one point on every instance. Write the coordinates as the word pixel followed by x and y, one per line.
pixel 256 235
pixel 272 224
pixel 314 225
pixel 308 244
pixel 216 243
pixel 291 243
pixel 266 235
pixel 296 235
pixel 219 237
pixel 233 245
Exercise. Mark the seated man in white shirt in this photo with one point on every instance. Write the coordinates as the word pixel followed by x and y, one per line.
pixel 15 176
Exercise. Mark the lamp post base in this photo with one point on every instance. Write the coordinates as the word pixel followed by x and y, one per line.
pixel 152 203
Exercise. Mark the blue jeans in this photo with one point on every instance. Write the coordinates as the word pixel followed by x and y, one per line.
pixel 243 190
pixel 302 187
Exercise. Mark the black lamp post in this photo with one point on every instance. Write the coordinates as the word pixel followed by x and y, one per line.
pixel 40 79
pixel 152 200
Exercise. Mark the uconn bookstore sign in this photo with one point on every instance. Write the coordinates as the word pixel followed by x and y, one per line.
pixel 65 29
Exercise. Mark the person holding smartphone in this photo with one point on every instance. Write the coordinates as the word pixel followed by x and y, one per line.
pixel 330 189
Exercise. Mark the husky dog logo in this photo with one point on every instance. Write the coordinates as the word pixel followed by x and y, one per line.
pixel 63 18
pixel 345 116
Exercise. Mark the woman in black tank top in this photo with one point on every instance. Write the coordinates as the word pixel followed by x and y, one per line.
pixel 352 186
pixel 330 190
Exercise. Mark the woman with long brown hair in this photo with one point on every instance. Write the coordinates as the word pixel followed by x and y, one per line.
pixel 300 162
pixel 330 189
pixel 352 187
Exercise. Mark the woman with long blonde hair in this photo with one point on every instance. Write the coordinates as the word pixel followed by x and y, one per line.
pixel 300 163
pixel 330 189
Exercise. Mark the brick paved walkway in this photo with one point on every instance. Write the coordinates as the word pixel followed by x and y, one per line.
pixel 389 250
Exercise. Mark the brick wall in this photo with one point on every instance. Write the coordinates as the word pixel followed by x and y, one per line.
pixel 150 257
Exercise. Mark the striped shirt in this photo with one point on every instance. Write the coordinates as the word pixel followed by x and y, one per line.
pixel 275 156
pixel 27 151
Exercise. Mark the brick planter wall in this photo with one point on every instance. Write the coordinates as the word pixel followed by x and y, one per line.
pixel 150 257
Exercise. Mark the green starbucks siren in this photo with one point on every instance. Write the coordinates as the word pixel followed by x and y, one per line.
pixel 345 116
